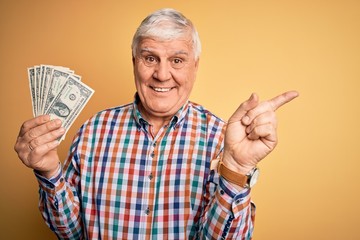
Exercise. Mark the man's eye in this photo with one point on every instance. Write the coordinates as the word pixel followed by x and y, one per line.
pixel 177 61
pixel 150 59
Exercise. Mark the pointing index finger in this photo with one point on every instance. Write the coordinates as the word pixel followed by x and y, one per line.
pixel 280 100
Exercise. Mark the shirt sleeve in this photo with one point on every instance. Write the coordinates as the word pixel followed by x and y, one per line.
pixel 229 214
pixel 59 203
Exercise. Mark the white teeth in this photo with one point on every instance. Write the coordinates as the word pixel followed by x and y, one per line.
pixel 162 89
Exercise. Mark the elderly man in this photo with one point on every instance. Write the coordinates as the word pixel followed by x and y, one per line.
pixel 161 167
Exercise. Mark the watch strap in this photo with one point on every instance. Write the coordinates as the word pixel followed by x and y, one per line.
pixel 232 176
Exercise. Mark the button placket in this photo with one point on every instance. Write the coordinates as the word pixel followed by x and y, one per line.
pixel 152 155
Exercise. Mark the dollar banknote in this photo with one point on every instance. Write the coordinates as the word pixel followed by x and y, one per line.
pixel 56 82
pixel 58 92
pixel 48 79
pixel 31 77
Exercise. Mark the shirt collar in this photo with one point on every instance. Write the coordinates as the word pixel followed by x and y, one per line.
pixel 175 121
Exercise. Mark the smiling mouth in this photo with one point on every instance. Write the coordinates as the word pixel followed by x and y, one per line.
pixel 158 89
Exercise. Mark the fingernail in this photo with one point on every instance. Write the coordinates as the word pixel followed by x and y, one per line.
pixel 251 97
pixel 245 120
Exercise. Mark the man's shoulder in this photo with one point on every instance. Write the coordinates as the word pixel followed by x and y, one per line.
pixel 205 121
pixel 200 109
pixel 121 108
pixel 112 112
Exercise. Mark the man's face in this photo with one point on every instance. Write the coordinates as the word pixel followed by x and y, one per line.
pixel 164 73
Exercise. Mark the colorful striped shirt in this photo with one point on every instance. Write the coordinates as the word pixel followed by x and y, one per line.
pixel 121 182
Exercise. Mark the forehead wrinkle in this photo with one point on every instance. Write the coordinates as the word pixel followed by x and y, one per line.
pixel 145 49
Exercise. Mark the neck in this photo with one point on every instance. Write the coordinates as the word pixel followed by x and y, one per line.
pixel 156 122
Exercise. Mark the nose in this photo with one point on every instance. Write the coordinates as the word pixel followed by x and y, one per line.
pixel 162 71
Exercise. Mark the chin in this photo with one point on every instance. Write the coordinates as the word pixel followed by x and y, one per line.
pixel 162 110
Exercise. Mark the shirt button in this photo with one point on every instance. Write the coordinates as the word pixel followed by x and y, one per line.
pixel 151 176
pixel 238 201
pixel 147 211
pixel 222 192
pixel 152 154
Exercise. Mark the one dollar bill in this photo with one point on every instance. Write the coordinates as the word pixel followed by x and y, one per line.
pixel 58 92
pixel 70 102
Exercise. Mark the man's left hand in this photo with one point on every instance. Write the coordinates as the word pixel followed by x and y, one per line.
pixel 251 132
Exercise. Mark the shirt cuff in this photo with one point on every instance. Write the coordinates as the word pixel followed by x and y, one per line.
pixel 50 184
pixel 231 198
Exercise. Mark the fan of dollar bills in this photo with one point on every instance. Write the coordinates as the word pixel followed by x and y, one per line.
pixel 58 92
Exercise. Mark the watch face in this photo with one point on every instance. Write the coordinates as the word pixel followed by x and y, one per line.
pixel 254 177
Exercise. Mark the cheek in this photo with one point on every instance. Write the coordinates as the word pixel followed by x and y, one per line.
pixel 190 79
pixel 142 74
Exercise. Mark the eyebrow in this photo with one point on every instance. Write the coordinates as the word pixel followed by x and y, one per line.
pixel 181 52
pixel 148 50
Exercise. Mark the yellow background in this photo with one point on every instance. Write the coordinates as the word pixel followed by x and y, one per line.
pixel 309 186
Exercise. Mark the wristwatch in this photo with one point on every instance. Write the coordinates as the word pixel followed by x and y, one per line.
pixel 245 181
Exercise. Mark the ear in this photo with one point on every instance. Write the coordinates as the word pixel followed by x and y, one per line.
pixel 196 67
pixel 197 63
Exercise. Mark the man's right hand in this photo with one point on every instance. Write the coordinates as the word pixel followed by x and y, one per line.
pixel 37 142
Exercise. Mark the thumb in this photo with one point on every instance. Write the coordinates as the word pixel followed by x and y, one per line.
pixel 244 107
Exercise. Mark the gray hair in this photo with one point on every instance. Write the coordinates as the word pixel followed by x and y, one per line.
pixel 166 24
